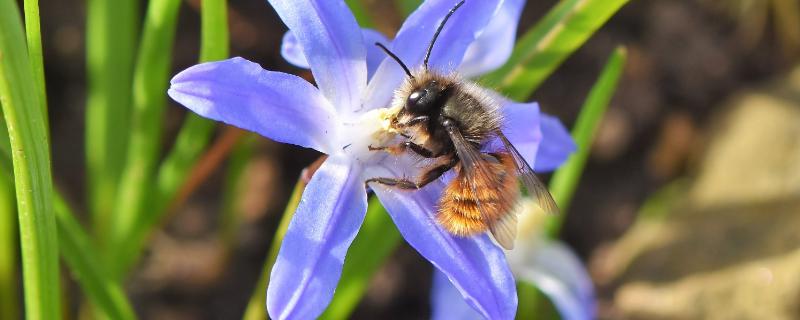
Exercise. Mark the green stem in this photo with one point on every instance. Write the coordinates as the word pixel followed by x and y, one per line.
pixel 9 300
pixel 110 47
pixel 149 97
pixel 23 110
pixel 77 250
pixel 192 139
pixel 34 39
pixel 545 46
pixel 361 12
pixel 406 7
pixel 565 180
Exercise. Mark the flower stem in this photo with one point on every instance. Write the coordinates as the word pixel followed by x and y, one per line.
pixel 149 85
pixel 33 35
pixel 110 47
pixel 193 137
pixel 565 180
pixel 9 300
pixel 77 250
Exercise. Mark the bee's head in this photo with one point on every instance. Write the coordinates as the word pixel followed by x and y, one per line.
pixel 427 97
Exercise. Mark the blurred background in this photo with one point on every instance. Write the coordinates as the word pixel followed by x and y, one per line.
pixel 688 209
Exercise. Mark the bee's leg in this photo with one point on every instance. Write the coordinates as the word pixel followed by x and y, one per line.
pixel 416 120
pixel 401 147
pixel 427 177
pixel 394 182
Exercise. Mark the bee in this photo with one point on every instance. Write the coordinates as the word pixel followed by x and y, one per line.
pixel 447 119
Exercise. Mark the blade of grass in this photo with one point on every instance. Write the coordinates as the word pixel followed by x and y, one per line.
pixel 22 108
pixel 77 250
pixel 149 97
pixel 110 47
pixel 192 140
pixel 376 240
pixel 544 47
pixel 566 178
pixel 196 131
pixel 361 12
pixel 406 7
pixel 5 145
pixel 9 300
pixel 33 36
pixel 257 306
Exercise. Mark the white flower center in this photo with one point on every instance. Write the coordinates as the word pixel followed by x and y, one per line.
pixel 367 129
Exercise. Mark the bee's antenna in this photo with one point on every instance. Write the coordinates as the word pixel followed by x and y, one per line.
pixel 438 30
pixel 408 72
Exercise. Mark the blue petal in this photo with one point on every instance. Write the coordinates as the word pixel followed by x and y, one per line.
pixel 475 265
pixel 374 54
pixel 556 146
pixel 279 106
pixel 310 261
pixel 550 266
pixel 292 50
pixel 414 37
pixel 446 301
pixel 521 126
pixel 332 43
pixel 557 272
pixel 494 45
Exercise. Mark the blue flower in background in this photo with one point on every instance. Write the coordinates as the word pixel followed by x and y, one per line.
pixel 549 265
pixel 343 115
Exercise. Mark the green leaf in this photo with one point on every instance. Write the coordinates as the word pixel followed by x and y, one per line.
pixel 376 240
pixel 566 178
pixel 149 96
pixel 406 7
pixel 77 250
pixel 24 113
pixel 9 255
pixel 544 47
pixel 5 146
pixel 33 36
pixel 110 47
pixel 192 140
pixel 361 12
pixel 533 304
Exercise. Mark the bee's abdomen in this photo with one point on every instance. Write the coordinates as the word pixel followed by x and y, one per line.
pixel 465 213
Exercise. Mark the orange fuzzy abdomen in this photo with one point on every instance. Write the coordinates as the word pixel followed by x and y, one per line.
pixel 465 213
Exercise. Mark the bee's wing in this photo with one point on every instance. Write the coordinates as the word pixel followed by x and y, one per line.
pixel 477 172
pixel 474 166
pixel 535 186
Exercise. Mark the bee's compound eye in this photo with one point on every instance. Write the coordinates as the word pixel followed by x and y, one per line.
pixel 413 98
pixel 416 101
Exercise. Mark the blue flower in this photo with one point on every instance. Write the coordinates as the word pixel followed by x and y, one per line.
pixel 549 265
pixel 343 115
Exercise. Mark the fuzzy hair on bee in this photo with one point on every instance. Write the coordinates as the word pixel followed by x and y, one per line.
pixel 447 119
pixel 468 104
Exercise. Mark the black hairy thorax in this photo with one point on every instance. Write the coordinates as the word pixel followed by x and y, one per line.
pixel 437 98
